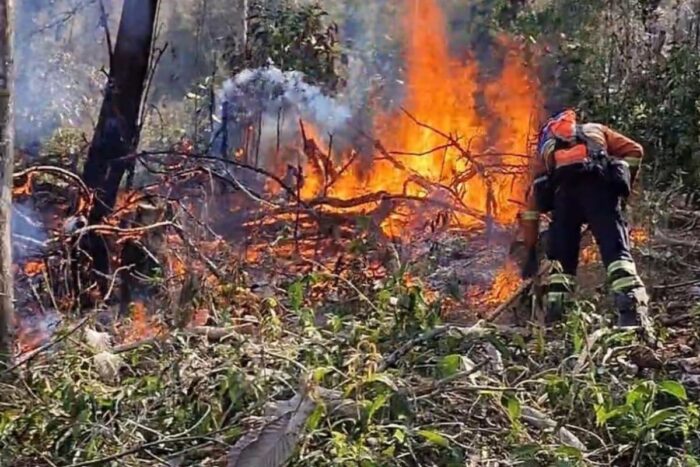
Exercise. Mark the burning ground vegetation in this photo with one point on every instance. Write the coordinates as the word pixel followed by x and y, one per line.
pixel 289 295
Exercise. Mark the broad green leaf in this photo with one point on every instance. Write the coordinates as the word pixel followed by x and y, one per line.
pixel 674 388
pixel 434 437
pixel 449 365
pixel 641 392
pixel 660 416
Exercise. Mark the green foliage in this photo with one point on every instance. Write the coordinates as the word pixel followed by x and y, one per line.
pixel 291 36
pixel 633 65
pixel 442 401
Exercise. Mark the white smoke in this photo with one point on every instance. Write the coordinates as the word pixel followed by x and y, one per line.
pixel 28 233
pixel 267 90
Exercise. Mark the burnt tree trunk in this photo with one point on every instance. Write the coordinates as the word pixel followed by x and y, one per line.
pixel 6 150
pixel 117 132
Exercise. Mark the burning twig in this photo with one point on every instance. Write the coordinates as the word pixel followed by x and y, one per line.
pixel 522 290
pixel 207 262
pixel 56 340
pixel 290 191
pixel 25 176
pixel 110 229
pixel 384 196
pixel 454 142
pixel 346 281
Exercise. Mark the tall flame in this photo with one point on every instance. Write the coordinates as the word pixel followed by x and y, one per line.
pixel 490 116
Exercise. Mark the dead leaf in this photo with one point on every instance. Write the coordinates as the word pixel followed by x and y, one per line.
pixel 99 341
pixel 275 441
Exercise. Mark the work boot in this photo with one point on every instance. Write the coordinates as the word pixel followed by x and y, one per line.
pixel 555 306
pixel 632 308
pixel 554 314
pixel 559 289
pixel 628 319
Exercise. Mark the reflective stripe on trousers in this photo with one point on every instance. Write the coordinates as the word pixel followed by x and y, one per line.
pixel 623 277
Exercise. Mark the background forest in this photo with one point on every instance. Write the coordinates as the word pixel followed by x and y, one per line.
pixel 196 353
pixel 632 64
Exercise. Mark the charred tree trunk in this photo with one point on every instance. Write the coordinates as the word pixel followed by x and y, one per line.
pixel 6 149
pixel 117 132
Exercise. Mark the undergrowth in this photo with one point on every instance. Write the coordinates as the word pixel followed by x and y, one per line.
pixel 455 396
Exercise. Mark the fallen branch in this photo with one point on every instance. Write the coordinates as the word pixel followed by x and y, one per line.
pixel 39 350
pixel 110 229
pixel 678 285
pixel 540 421
pixel 395 356
pixel 85 192
pixel 666 240
pixel 141 447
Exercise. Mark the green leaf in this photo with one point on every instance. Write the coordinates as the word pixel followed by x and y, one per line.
pixel 569 452
pixel 320 373
pixel 384 379
pixel 377 404
pixel 296 295
pixel 434 437
pixel 316 417
pixel 674 388
pixel 660 416
pixel 449 365
pixel 641 393
pixel 603 415
pixel 513 407
pixel 526 452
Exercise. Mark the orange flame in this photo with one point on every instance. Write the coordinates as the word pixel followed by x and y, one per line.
pixel 442 94
pixel 24 189
pixel 34 268
pixel 639 236
pixel 142 326
pixel 505 284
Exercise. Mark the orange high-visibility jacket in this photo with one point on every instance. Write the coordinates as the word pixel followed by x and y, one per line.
pixel 548 159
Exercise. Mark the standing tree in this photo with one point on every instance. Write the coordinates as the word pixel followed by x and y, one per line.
pixel 117 132
pixel 6 149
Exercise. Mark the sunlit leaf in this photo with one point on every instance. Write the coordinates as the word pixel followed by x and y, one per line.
pixel 434 437
pixel 660 416
pixel 384 379
pixel 449 365
pixel 674 388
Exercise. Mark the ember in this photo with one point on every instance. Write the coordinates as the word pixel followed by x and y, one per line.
pixel 33 268
pixel 142 325
pixel 506 282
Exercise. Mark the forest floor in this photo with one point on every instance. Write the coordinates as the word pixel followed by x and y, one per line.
pixel 350 366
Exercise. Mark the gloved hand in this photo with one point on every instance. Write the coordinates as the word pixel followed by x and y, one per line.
pixel 531 265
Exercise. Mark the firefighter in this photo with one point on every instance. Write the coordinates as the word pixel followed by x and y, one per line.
pixel 583 174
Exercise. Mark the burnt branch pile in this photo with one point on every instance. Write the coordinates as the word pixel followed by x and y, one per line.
pixel 194 221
